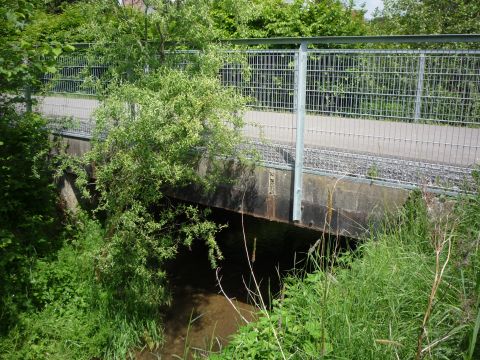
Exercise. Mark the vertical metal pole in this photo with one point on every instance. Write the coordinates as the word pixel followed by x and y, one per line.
pixel 129 79
pixel 28 98
pixel 27 91
pixel 419 93
pixel 301 95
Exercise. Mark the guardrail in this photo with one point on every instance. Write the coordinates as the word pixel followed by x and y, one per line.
pixel 406 117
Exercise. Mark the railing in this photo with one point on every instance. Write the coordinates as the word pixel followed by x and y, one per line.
pixel 406 117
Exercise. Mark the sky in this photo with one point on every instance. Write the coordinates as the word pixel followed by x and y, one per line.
pixel 370 5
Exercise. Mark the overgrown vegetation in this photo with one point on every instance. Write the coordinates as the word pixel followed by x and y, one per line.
pixel 409 292
pixel 82 288
pixel 73 315
pixel 107 287
pixel 427 17
pixel 278 18
pixel 29 220
pixel 189 21
pixel 176 119
pixel 23 59
pixel 28 216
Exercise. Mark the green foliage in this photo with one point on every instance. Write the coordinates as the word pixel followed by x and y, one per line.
pixel 22 60
pixel 159 130
pixel 189 22
pixel 373 306
pixel 54 303
pixel 186 21
pixel 468 234
pixel 372 171
pixel 66 26
pixel 128 39
pixel 106 288
pixel 28 212
pixel 56 6
pixel 74 319
pixel 277 18
pixel 428 17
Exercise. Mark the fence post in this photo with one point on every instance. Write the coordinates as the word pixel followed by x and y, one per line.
pixel 419 93
pixel 27 91
pixel 301 94
pixel 28 98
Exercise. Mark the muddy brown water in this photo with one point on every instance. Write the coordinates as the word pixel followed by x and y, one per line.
pixel 212 320
pixel 201 319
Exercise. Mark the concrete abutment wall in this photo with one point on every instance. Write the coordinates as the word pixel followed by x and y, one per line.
pixel 339 206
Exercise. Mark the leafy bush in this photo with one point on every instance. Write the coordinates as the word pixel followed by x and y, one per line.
pixel 278 18
pixel 102 293
pixel 159 130
pixel 28 215
pixel 74 319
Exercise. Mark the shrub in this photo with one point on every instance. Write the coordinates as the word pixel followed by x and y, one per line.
pixel 28 215
pixel 74 318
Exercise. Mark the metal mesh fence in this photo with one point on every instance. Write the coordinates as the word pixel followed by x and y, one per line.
pixel 69 97
pixel 405 116
pixel 266 78
pixel 365 85
pixel 77 74
pixel 433 86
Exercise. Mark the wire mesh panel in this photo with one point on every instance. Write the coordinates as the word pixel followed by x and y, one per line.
pixel 73 116
pixel 77 74
pixel 362 84
pixel 403 116
pixel 267 80
pixel 382 84
pixel 69 97
pixel 451 89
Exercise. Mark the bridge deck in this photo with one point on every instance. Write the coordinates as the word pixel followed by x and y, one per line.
pixel 458 146
pixel 442 144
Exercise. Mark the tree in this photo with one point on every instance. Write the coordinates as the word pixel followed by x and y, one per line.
pixel 22 60
pixel 28 217
pixel 428 17
pixel 277 18
pixel 152 131
pixel 64 25
pixel 177 119
pixel 29 220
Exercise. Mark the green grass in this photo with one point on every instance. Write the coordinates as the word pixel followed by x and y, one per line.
pixel 372 303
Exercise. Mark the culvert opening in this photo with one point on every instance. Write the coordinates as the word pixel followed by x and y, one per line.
pixel 201 317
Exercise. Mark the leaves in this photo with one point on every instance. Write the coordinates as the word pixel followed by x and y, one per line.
pixel 56 51
pixel 428 17
pixel 27 211
pixel 277 18
pixel 160 127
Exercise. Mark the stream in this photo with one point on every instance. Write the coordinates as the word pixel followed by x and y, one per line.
pixel 201 318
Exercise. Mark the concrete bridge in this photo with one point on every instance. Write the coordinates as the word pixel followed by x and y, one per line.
pixel 343 135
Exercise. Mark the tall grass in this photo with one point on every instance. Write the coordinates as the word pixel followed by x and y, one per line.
pixel 410 291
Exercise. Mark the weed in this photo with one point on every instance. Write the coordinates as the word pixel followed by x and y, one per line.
pixel 77 318
pixel 372 171
pixel 407 293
